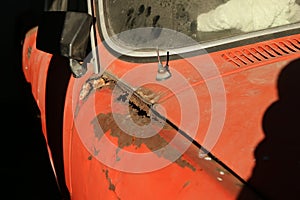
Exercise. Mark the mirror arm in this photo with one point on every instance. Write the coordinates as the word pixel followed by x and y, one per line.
pixel 94 47
pixel 78 68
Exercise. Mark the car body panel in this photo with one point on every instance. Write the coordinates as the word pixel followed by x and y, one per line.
pixel 211 110
pixel 35 64
pixel 186 177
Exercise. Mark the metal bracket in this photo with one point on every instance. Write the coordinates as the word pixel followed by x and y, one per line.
pixel 163 72
pixel 78 69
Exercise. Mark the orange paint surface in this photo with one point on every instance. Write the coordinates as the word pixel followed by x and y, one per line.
pixel 217 103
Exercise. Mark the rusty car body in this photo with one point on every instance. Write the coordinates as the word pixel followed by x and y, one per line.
pixel 136 103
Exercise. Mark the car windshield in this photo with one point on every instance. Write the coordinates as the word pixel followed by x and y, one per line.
pixel 182 23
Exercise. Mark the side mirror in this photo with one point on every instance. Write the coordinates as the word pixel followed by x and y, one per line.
pixel 64 33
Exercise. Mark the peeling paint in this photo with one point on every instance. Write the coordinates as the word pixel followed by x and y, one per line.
pixel 91 85
pixel 142 97
pixel 139 103
pixel 148 95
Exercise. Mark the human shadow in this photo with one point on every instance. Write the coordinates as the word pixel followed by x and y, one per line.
pixel 276 174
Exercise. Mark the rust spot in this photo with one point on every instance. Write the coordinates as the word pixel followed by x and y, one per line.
pixel 111 186
pixel 142 98
pixel 106 122
pixel 184 163
pixel 153 143
pixel 136 102
pixel 139 103
pixel 140 117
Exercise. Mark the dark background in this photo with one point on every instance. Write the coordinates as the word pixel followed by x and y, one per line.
pixel 25 169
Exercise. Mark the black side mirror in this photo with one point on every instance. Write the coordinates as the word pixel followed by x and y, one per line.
pixel 64 33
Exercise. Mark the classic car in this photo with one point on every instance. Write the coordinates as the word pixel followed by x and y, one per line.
pixel 139 101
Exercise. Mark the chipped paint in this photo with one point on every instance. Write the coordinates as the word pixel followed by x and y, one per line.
pixel 95 151
pixel 29 50
pixel 186 184
pixel 111 186
pixel 184 163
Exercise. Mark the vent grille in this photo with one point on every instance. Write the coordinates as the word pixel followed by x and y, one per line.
pixel 262 52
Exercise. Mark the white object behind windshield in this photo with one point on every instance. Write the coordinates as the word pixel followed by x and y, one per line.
pixel 249 15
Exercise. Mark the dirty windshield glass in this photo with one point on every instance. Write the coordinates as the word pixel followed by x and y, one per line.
pixel 170 22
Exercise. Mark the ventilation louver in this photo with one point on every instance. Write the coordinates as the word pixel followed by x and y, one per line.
pixel 262 52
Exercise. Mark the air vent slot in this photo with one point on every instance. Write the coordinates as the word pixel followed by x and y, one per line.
pixel 262 52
